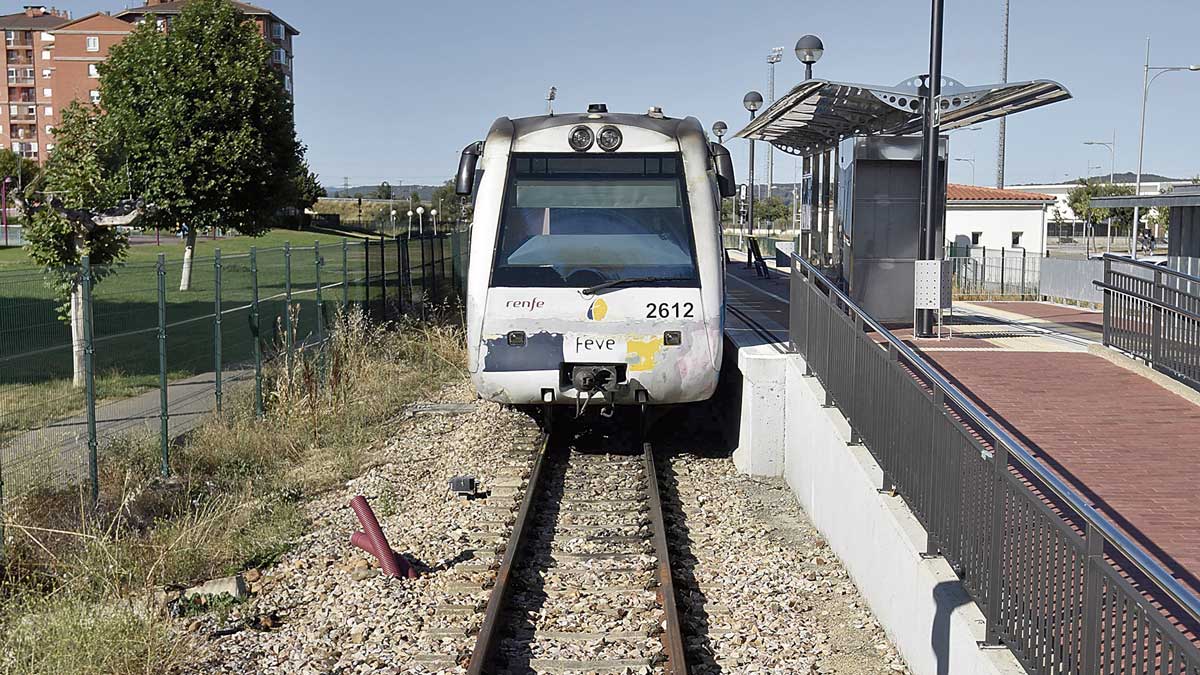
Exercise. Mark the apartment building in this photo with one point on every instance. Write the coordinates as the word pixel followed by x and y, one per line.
pixel 52 59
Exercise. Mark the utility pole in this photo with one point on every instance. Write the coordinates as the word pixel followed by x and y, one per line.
pixel 927 245
pixel 1003 122
pixel 774 57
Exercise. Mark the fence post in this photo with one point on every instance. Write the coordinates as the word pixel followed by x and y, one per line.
pixel 1108 308
pixel 345 275
pixel 855 393
pixel 995 568
pixel 367 278
pixel 287 309
pixel 382 278
pixel 217 327
pixel 433 270
pixel 1024 262
pixel 89 374
pixel 318 262
pixel 1156 321
pixel 400 274
pixel 406 286
pixel 256 334
pixel 1002 266
pixel 163 411
pixel 1092 598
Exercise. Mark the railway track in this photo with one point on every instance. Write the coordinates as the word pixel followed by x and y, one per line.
pixel 584 585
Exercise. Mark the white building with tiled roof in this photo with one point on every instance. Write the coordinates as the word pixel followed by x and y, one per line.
pixel 992 219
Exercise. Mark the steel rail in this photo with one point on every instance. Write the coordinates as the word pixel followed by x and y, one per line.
pixel 489 631
pixel 1154 570
pixel 1147 299
pixel 672 636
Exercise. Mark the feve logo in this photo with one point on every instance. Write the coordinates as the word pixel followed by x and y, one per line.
pixel 597 310
pixel 527 305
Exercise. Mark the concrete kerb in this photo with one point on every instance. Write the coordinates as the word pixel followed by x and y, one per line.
pixel 785 430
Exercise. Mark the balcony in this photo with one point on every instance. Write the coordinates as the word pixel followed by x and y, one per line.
pixel 22 133
pixel 19 58
pixel 20 81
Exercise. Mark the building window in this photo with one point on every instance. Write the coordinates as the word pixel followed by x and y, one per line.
pixel 161 24
pixel 975 237
pixel 46 72
pixel 45 54
pixel 95 96
pixel 1016 239
pixel 277 30
pixel 49 129
pixel 48 111
pixel 280 56
pixel 93 70
pixel 93 43
pixel 47 92
pixel 287 83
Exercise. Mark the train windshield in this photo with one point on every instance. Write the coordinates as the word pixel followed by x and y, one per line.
pixel 583 220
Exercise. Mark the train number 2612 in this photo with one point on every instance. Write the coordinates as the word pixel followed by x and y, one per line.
pixel 669 310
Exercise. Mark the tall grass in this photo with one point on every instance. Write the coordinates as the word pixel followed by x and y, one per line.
pixel 75 583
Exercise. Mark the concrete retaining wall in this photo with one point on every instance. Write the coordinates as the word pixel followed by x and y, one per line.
pixel 919 602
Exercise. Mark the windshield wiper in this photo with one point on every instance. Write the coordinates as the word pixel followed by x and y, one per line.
pixel 631 280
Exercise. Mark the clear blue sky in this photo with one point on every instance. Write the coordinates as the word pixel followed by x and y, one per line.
pixel 393 90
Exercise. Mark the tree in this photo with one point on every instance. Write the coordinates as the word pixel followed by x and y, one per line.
pixel 81 175
pixel 384 191
pixel 1080 198
pixel 306 187
pixel 22 171
pixel 203 122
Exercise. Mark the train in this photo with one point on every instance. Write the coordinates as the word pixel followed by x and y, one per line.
pixel 596 268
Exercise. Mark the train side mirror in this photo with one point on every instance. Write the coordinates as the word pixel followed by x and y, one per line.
pixel 723 164
pixel 464 182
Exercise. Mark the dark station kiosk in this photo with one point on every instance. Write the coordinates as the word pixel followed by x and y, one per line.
pixel 862 195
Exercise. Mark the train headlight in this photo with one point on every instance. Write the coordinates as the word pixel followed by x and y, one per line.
pixel 581 138
pixel 609 138
pixel 515 338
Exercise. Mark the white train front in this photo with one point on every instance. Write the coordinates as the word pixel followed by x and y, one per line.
pixel 596 269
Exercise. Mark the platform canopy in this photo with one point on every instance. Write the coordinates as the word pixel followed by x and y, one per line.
pixel 1181 196
pixel 816 114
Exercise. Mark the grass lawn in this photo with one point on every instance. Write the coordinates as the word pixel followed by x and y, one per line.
pixel 15 258
pixel 35 345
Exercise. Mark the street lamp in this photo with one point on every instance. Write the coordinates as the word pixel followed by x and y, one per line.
pixel 393 214
pixel 410 215
pixel 752 101
pixel 719 128
pixel 1112 173
pixel 1146 82
pixel 420 221
pixel 972 161
pixel 433 219
pixel 809 50
pixel 4 202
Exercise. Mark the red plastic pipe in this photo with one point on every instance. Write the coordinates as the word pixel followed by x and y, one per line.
pixel 374 534
pixel 362 541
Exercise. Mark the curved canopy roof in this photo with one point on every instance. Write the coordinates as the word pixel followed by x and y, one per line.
pixel 816 114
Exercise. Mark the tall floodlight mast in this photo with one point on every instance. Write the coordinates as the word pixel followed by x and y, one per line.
pixel 774 57
pixel 1003 122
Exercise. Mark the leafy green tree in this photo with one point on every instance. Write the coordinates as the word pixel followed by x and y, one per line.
pixel 22 171
pixel 203 121
pixel 81 176
pixel 1080 198
pixel 306 187
pixel 384 191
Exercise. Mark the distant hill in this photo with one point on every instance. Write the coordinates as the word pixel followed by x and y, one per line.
pixel 1122 177
pixel 399 191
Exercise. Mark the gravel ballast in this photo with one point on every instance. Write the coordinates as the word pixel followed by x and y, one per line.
pixel 760 591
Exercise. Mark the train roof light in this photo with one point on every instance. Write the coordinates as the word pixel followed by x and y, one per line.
pixel 580 138
pixel 597 108
pixel 609 138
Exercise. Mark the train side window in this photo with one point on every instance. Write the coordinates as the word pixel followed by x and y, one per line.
pixel 668 165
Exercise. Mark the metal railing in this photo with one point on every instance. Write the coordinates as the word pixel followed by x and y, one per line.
pixel 995 273
pixel 1153 312
pixel 1061 586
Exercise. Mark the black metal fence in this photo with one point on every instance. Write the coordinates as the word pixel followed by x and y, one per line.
pixel 1060 585
pixel 1153 312
pixel 146 353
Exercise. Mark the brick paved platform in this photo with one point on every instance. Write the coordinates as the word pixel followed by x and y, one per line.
pixel 1127 444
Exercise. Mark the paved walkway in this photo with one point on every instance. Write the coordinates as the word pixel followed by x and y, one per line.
pixel 56 454
pixel 1124 442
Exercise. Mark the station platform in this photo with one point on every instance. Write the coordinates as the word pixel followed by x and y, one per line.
pixel 1108 426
